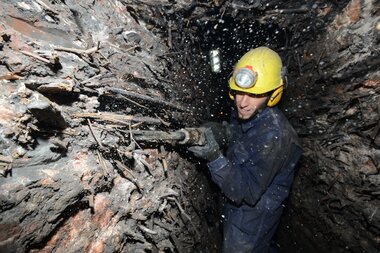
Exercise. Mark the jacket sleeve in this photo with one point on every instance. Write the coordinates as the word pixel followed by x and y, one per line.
pixel 250 169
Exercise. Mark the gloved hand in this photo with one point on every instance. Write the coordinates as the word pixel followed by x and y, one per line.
pixel 221 132
pixel 210 151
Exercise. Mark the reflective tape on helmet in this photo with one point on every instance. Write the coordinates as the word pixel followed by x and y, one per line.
pixel 245 78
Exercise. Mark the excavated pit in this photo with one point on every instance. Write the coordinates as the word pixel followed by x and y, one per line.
pixel 77 78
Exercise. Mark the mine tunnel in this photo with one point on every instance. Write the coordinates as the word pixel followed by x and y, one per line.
pixel 81 80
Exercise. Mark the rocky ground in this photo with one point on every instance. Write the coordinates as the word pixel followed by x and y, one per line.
pixel 77 78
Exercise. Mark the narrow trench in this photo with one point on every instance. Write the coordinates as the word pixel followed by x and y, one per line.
pixel 232 38
pixel 79 80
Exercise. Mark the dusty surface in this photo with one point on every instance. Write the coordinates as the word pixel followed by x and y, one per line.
pixel 75 78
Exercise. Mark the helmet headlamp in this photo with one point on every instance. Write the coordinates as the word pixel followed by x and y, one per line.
pixel 245 78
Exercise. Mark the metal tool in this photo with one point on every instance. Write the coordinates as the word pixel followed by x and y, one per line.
pixel 184 136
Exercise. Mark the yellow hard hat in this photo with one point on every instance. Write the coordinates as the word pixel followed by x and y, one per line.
pixel 259 71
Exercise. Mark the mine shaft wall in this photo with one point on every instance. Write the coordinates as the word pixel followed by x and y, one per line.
pixel 334 201
pixel 77 78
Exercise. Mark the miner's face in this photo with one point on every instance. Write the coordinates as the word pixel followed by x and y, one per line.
pixel 248 104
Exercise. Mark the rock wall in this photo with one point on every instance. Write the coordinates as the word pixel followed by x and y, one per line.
pixel 76 79
pixel 335 200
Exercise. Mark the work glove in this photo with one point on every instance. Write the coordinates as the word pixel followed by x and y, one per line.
pixel 221 132
pixel 210 151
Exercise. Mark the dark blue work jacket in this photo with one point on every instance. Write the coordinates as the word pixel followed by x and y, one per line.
pixel 255 176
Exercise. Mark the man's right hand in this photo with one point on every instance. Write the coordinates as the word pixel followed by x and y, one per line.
pixel 210 151
pixel 221 133
pixel 217 137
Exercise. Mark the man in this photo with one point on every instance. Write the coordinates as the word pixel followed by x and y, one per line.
pixel 256 172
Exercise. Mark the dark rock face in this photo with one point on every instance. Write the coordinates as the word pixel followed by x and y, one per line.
pixel 334 197
pixel 77 77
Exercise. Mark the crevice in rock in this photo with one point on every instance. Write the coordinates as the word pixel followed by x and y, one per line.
pixel 77 78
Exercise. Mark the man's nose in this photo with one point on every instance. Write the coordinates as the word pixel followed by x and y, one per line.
pixel 244 100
